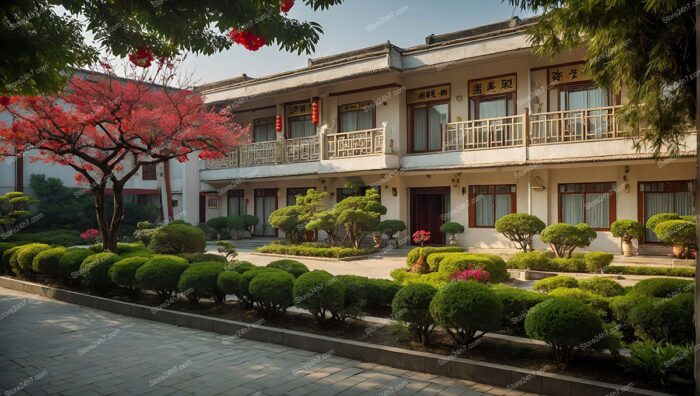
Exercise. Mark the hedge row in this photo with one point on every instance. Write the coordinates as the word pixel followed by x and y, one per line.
pixel 313 251
pixel 541 260
pixel 445 262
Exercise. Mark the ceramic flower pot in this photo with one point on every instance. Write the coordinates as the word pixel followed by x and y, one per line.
pixel 627 248
pixel 377 240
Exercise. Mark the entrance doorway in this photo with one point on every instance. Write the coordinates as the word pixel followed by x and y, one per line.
pixel 265 204
pixel 428 211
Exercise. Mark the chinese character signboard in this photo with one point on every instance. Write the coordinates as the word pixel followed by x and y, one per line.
pixel 493 85
pixel 365 106
pixel 566 74
pixel 264 120
pixel 428 94
pixel 299 109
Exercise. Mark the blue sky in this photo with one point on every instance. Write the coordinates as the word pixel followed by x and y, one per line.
pixel 355 24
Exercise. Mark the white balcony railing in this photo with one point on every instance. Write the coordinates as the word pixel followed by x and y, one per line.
pixel 229 160
pixel 301 149
pixel 356 143
pixel 484 133
pixel 575 125
pixel 262 153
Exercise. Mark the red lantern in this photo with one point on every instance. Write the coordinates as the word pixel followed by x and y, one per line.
pixel 314 111
pixel 278 123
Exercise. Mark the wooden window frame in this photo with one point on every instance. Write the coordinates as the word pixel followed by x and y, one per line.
pixel 612 201
pixel 411 131
pixel 640 201
pixel 212 198
pixel 339 112
pixel 472 201
pixel 580 86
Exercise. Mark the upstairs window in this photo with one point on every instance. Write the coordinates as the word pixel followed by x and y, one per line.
pixel 356 116
pixel 299 120
pixel 264 129
pixel 428 110
pixel 492 97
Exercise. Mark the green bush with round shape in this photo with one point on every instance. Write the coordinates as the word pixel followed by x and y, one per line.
pixel 355 301
pixel 597 262
pixel 565 238
pixel 491 263
pixel 427 251
pixel 660 218
pixel 621 306
pixel 249 221
pixel 94 271
pixel 391 227
pixel 566 325
pixel 9 259
pixel 69 263
pixel 520 228
pixel 235 223
pixel 220 225
pixel 273 292
pixel 539 260
pixel 516 304
pixel 665 319
pixel 411 304
pixel 5 267
pixel 452 228
pixel 464 309
pixel 46 262
pixel 247 276
pixel 239 266
pixel 294 267
pixel 576 263
pixel 605 287
pixel 202 257
pixel 600 304
pixel 123 272
pixel 663 287
pixel 380 292
pixel 200 280
pixel 229 283
pixel 25 258
pixel 320 293
pixel 161 273
pixel 676 232
pixel 178 238
pixel 627 230
pixel 548 284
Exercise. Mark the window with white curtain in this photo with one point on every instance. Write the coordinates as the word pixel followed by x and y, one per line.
pixel 427 126
pixel 264 129
pixel 236 203
pixel 300 126
pixel 665 197
pixel 585 96
pixel 356 116
pixel 491 106
pixel 489 203
pixel 590 203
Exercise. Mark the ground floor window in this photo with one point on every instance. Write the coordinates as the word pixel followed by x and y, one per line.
pixel 293 192
pixel 489 203
pixel 265 204
pixel 664 197
pixel 590 203
pixel 236 203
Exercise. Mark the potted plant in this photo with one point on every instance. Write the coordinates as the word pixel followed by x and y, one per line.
pixel 421 236
pixel 453 229
pixel 627 230
pixel 390 228
pixel 377 238
pixel 680 234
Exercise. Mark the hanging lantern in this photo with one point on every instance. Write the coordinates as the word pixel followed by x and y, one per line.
pixel 314 111
pixel 278 123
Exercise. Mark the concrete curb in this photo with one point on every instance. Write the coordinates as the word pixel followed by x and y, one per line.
pixel 488 373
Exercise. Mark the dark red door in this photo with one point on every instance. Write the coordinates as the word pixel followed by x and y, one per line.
pixel 428 211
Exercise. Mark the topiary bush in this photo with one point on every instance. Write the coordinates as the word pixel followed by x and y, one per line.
pixel 660 218
pixel 200 280
pixel 597 262
pixel 296 268
pixel 464 309
pixel 272 291
pixel 69 264
pixel 46 262
pixel 25 258
pixel 245 298
pixel 520 228
pixel 663 287
pixel 494 265
pixel 576 263
pixel 676 233
pixel 411 304
pixel 565 238
pixel 605 287
pixel 539 260
pixel 566 325
pixel 548 284
pixel 621 306
pixel 391 227
pixel 123 272
pixel 600 304
pixel 94 271
pixel 413 254
pixel 229 283
pixel 178 238
pixel 239 266
pixel 202 257
pixel 320 293
pixel 627 230
pixel 664 319
pixel 220 225
pixel 355 299
pixel 516 304
pixel 249 221
pixel 4 246
pixel 452 228
pixel 161 273
pixel 9 259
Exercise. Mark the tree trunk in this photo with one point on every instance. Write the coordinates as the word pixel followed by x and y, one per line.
pixel 101 214
pixel 110 243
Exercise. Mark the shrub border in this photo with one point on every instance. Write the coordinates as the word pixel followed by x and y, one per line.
pixel 320 258
pixel 487 373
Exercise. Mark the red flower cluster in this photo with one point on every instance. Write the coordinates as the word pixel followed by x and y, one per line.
pixel 5 101
pixel 90 235
pixel 286 5
pixel 421 236
pixel 471 274
pixel 143 57
pixel 247 39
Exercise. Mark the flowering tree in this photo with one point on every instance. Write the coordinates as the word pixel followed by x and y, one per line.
pixel 106 128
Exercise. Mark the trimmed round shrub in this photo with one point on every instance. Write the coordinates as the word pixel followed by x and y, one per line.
pixel 200 280
pixel 566 325
pixel 627 230
pixel 249 221
pixel 600 304
pixel 413 254
pixel 219 225
pixel 356 300
pixel 246 277
pixel 664 319
pixel 520 228
pixel 202 257
pixel 621 306
pixel 565 238
pixel 4 246
pixel 411 304
pixel 69 263
pixel 380 292
pixel 25 258
pixel 235 223
pixel 663 287
pixel 548 284
pixel 239 266
pixel 539 260
pixel 229 283
pixel 294 267
pixel 452 228
pixel 9 259
pixel 676 232
pixel 46 262
pixel 605 287
pixel 123 272
pixel 660 218
pixel 465 308
pixel 391 227
pixel 272 291
pixel 161 274
pixel 178 238
pixel 491 263
pixel 576 263
pixel 516 304
pixel 597 262
pixel 95 271
pixel 320 293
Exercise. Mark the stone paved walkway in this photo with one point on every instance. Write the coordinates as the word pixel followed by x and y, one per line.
pixel 50 347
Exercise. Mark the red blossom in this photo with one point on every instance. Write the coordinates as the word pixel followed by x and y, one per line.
pixel 472 274
pixel 5 101
pixel 286 5
pixel 421 236
pixel 143 57
pixel 247 39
